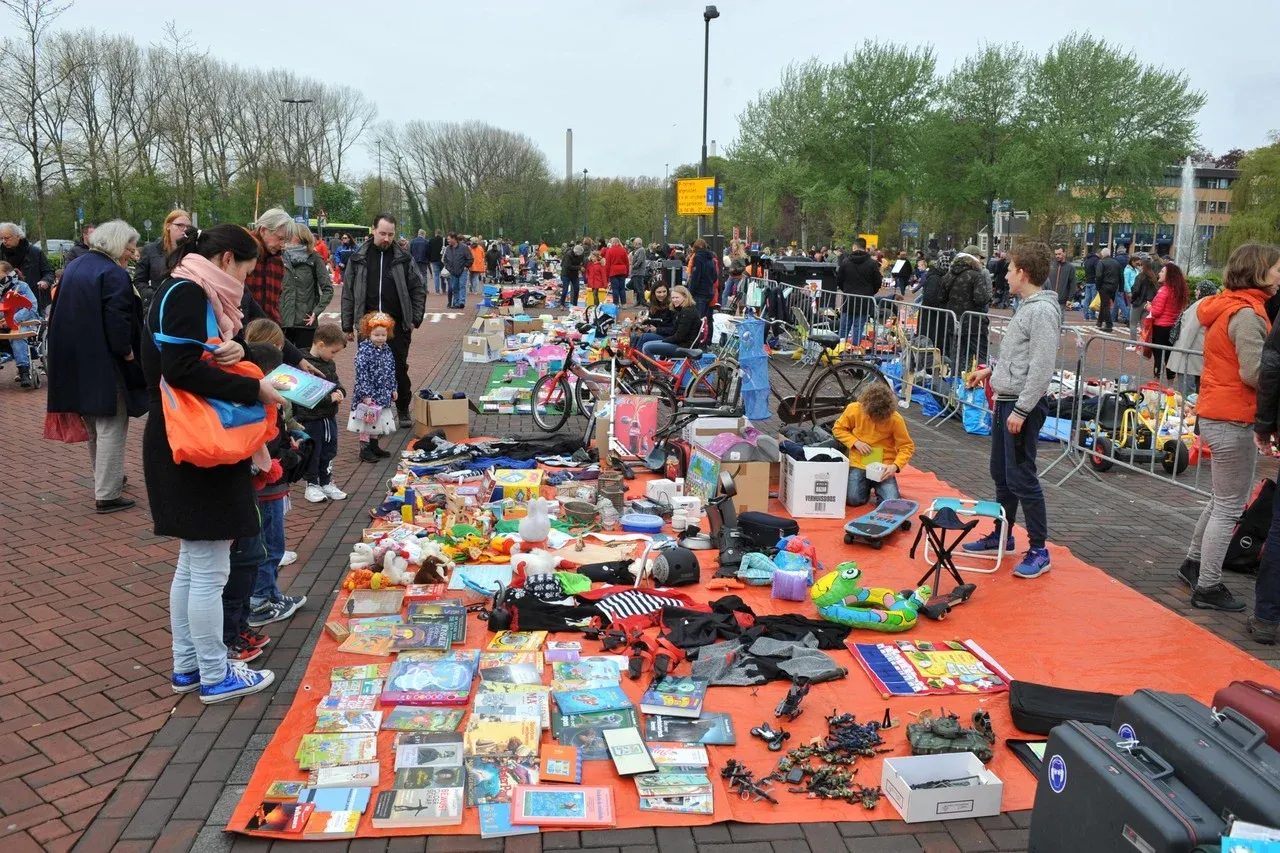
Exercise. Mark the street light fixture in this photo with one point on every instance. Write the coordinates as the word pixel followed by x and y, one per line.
pixel 584 202
pixel 302 173
pixel 871 173
pixel 708 15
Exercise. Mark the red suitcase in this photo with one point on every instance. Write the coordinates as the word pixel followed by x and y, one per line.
pixel 1259 703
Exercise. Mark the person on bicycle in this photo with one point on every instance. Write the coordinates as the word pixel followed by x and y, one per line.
pixel 686 324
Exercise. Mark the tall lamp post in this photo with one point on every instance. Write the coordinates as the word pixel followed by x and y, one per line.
pixel 302 172
pixel 379 174
pixel 666 185
pixel 871 174
pixel 584 202
pixel 708 15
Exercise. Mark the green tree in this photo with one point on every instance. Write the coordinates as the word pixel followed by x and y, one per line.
pixel 1255 202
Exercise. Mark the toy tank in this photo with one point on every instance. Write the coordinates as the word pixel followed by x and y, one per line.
pixel 944 734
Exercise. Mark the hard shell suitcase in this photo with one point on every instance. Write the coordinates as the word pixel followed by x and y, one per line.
pixel 1220 755
pixel 1258 702
pixel 1100 794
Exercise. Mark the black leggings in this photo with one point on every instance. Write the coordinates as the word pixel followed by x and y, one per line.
pixel 1160 335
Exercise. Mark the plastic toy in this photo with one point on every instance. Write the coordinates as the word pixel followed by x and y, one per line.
pixel 744 782
pixel 874 527
pixel 535 526
pixel 839 598
pixel 773 737
pixel 943 734
pixel 789 707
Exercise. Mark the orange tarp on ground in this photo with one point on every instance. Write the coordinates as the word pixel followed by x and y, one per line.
pixel 1074 627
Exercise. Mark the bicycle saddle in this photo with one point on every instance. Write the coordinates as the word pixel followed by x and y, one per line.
pixel 826 339
pixel 693 353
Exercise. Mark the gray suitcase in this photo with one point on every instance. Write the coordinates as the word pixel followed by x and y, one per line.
pixel 1220 755
pixel 1098 793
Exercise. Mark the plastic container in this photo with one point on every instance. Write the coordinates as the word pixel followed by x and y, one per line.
pixel 636 522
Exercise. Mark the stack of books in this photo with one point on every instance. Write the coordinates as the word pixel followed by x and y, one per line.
pixel 680 784
pixel 429 783
pixel 585 715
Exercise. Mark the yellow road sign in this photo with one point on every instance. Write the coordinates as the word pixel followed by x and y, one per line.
pixel 691 196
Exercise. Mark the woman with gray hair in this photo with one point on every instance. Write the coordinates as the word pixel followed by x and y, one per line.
pixel 95 335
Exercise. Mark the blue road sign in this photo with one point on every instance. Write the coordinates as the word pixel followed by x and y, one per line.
pixel 715 196
pixel 300 218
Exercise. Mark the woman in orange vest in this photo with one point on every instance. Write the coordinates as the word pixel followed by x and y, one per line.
pixel 1236 327
pixel 478 265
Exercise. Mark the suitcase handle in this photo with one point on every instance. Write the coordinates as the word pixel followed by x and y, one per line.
pixel 1254 734
pixel 1163 768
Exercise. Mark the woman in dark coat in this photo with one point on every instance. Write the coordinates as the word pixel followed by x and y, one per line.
pixel 206 508
pixel 95 331
pixel 153 265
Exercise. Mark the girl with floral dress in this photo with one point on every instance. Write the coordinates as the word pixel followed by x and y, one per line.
pixel 372 414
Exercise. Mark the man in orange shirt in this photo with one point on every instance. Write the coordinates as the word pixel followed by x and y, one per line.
pixel 477 265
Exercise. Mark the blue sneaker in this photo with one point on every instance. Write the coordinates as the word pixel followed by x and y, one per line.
pixel 185 682
pixel 240 681
pixel 989 544
pixel 1034 563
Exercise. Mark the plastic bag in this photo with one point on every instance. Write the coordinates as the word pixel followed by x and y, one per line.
pixel 977 420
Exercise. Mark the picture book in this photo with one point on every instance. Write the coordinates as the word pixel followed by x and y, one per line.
pixel 675 696
pixel 361 687
pixel 336 704
pixel 679 755
pixel 407 718
pixel 348 722
pixel 672 784
pixel 690 804
pixel 922 668
pixel 588 740
pixel 429 755
pixel 345 776
pixel 517 641
pixel 281 790
pixel 553 805
pixel 515 673
pixel 289 818
pixel 442 682
pixel 424 592
pixel 336 799
pixel 374 624
pixel 595 699
pixel 374 602
pixel 358 673
pixel 430 777
pixel 564 651
pixel 630 755
pixel 508 706
pixel 489 737
pixel 492 778
pixel 470 657
pixel 560 763
pixel 453 608
pixel 418 807
pixel 543 694
pixel 618 719
pixel 424 636
pixel 323 826
pixel 585 674
pixel 491 659
pixel 299 387
pixel 711 728
pixel 377 645
pixel 329 750
pixel 495 822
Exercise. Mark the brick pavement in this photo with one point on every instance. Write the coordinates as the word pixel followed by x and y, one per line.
pixel 96 754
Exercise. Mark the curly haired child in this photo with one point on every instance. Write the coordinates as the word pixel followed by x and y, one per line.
pixel 871 427
pixel 372 414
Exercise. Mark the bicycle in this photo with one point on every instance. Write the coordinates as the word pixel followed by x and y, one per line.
pixel 553 398
pixel 662 378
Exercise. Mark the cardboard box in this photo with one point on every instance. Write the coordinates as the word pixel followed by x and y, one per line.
pixel 523 327
pixel 751 479
pixel 475 349
pixel 495 326
pixel 517 484
pixel 813 489
pixel 897 775
pixel 703 430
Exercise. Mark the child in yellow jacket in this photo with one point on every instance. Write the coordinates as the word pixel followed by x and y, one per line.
pixel 873 424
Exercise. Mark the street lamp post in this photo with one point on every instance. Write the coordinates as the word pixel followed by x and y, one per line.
pixel 302 172
pixel 584 202
pixel 708 15
pixel 666 185
pixel 871 174
pixel 379 174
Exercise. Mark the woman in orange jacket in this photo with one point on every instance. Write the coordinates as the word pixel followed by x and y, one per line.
pixel 477 265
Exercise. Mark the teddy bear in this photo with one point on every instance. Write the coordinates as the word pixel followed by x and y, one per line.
pixel 361 556
pixel 400 563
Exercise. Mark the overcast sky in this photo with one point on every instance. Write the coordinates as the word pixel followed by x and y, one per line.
pixel 627 76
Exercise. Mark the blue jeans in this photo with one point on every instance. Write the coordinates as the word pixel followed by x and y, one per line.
pixel 859 491
pixel 437 268
pixel 1090 291
pixel 272 513
pixel 1013 469
pixel 246 556
pixel 568 288
pixel 660 349
pixel 475 278
pixel 325 435
pixel 195 608
pixel 458 289
pixel 21 348
pixel 618 286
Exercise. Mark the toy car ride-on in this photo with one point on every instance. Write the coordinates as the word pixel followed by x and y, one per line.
pixel 1118 434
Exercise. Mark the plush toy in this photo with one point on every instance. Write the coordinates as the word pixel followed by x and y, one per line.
pixel 361 556
pixel 400 563
pixel 840 598
pixel 536 573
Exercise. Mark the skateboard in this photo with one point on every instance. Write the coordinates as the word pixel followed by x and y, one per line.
pixel 874 527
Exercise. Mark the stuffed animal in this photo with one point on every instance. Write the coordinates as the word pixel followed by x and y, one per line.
pixel 536 572
pixel 399 564
pixel 361 556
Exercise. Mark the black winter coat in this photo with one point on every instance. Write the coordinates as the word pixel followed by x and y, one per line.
pixel 32 266
pixel 686 323
pixel 150 271
pixel 965 287
pixel 95 323
pixel 187 501
pixel 1110 276
pixel 858 274
pixel 409 287
pixel 1268 413
pixel 702 280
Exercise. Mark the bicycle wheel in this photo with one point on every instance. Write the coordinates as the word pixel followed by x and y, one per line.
pixel 837 387
pixel 654 386
pixel 552 402
pixel 719 382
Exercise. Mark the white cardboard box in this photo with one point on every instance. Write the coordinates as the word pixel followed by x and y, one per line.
pixel 700 432
pixel 897 775
pixel 475 348
pixel 813 489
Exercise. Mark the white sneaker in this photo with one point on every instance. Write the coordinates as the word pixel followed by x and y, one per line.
pixel 315 494
pixel 289 558
pixel 332 492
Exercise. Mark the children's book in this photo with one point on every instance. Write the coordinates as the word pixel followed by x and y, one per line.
pixel 585 674
pixel 543 694
pixel 517 641
pixel 564 651
pixel 374 602
pixel 495 822
pixel 554 805
pixel 358 673
pixel 588 701
pixel 336 799
pixel 675 696
pixel 441 682
pixel 330 750
pixel 453 608
pixel 490 737
pixel 418 807
pixel 492 778
pixel 348 722
pixel 588 740
pixel 679 755
pixel 492 659
pixel 686 804
pixel 374 624
pixel 345 776
pixel 470 657
pixel 560 764
pixel 288 818
pixel 299 387
pixel 407 718
pixel 362 687
pixel 618 719
pixel 430 777
pixel 424 636
pixel 630 755
pixel 424 592
pixel 440 754
pixel 377 645
pixel 507 706
pixel 515 673
pixel 712 727
pixel 281 790
pixel 338 704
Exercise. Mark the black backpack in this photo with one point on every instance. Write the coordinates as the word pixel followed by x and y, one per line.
pixel 1244 553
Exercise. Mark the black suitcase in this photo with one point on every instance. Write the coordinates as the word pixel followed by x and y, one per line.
pixel 1098 794
pixel 1221 755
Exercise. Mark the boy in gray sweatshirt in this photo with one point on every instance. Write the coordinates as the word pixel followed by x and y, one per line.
pixel 1020 379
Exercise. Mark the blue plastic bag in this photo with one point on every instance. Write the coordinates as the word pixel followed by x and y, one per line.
pixel 977 420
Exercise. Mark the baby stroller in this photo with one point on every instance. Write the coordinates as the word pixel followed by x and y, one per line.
pixel 35 351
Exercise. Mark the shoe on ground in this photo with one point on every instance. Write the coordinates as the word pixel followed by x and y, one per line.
pixel 238 651
pixel 1262 632
pixel 333 493
pixel 254 639
pixel 314 494
pixel 989 544
pixel 1189 572
pixel 1034 563
pixel 24 377
pixel 367 454
pixel 240 681
pixel 379 451
pixel 405 421
pixel 292 602
pixel 114 505
pixel 1215 598
pixel 273 611
pixel 288 558
pixel 185 682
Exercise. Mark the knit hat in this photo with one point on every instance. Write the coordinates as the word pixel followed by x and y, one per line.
pixel 971 250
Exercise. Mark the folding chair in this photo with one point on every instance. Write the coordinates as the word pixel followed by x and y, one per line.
pixel 975 510
pixel 934 528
